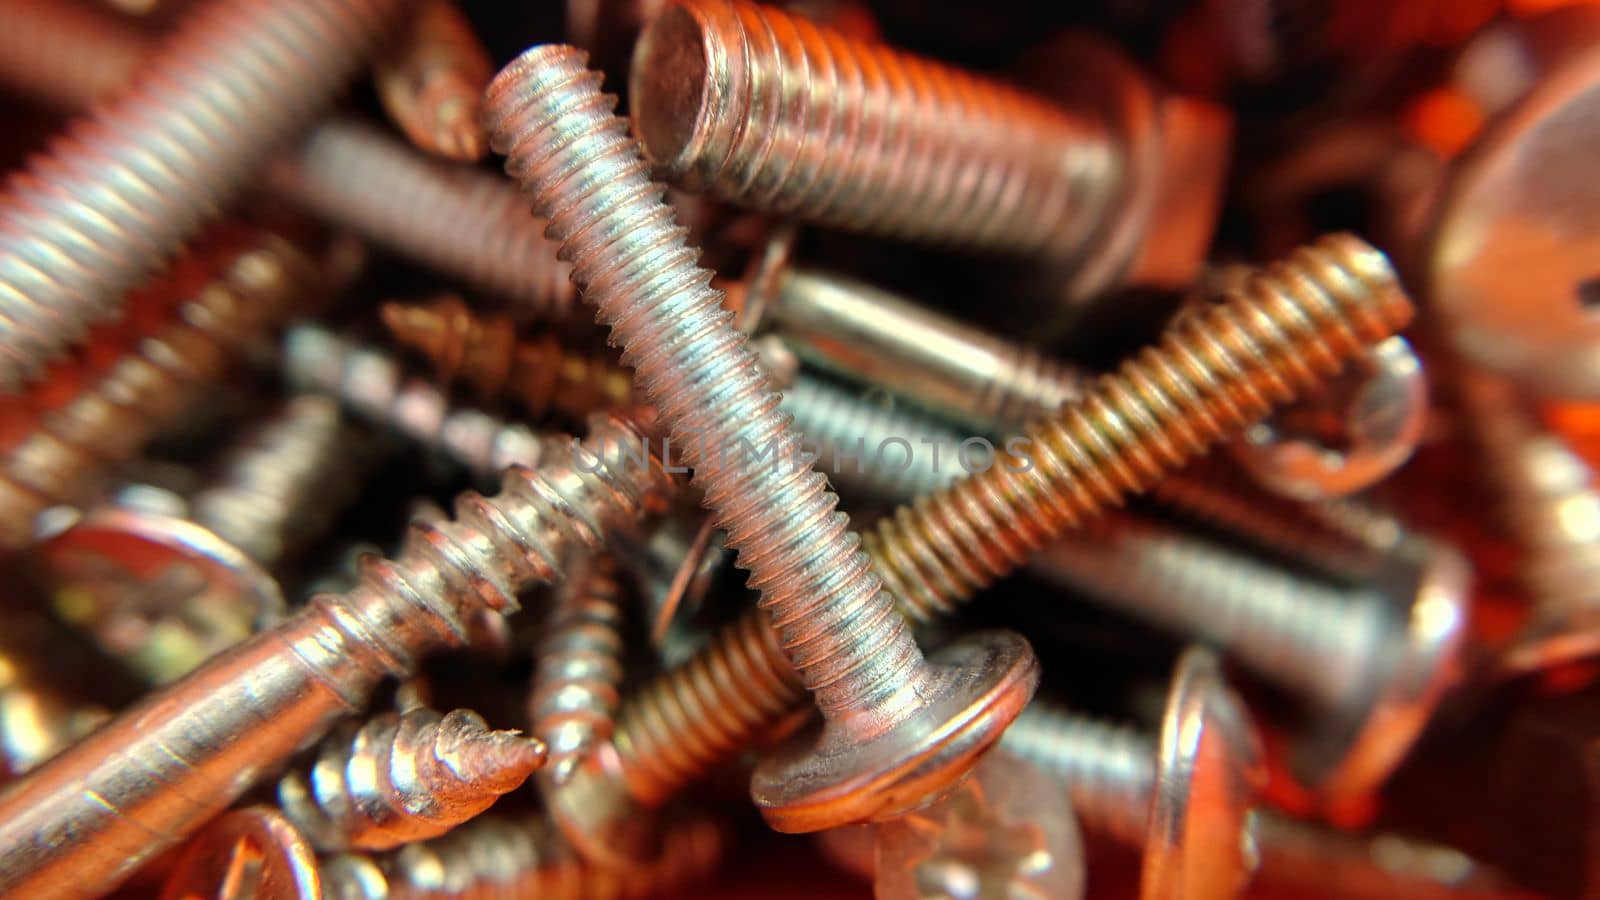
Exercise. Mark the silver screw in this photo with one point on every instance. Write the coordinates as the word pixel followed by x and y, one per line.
pixel 547 114
pixel 576 685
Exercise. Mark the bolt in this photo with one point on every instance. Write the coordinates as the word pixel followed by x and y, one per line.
pixel 67 457
pixel 111 199
pixel 495 857
pixel 547 114
pixel 579 668
pixel 78 824
pixel 430 78
pixel 767 109
pixel 249 853
pixel 1184 796
pixel 864 443
pixel 1549 503
pixel 399 778
pixel 485 352
pixel 1208 376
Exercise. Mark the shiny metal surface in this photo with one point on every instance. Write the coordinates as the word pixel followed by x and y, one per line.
pixel 249 854
pixel 576 682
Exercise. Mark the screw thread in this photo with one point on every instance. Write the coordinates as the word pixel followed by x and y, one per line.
pixel 284 483
pixel 403 778
pixel 500 859
pixel 65 54
pixel 680 725
pixel 430 79
pixel 1308 636
pixel 811 122
pixel 1212 374
pixel 1110 770
pixel 124 187
pixel 372 384
pixel 63 460
pixel 547 114
pixel 576 684
pixel 466 223
pixel 858 441
pixel 484 352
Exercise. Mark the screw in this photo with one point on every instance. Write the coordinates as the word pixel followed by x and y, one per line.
pixel 865 443
pixel 65 459
pixel 79 820
pixel 430 79
pixel 100 210
pixel 1183 796
pixel 485 352
pixel 249 853
pixel 399 778
pixel 1207 376
pixel 547 114
pixel 495 857
pixel 65 54
pixel 579 668
pixel 1549 502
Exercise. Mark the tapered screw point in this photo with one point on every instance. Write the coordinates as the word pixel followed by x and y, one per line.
pixel 487 759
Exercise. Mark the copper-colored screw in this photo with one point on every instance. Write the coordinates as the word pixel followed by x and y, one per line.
pixel 579 672
pixel 126 186
pixel 404 777
pixel 430 79
pixel 65 459
pixel 1211 375
pixel 485 352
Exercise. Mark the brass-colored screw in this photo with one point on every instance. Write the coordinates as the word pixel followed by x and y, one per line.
pixel 486 353
pixel 430 78
pixel 404 777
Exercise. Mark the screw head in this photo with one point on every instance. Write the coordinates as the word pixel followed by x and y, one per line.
pixel 158 591
pixel 970 692
pixel 1207 776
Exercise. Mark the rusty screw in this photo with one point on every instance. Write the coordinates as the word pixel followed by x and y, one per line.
pixel 879 696
pixel 116 195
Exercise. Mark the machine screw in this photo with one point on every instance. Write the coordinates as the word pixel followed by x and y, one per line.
pixel 547 114
pixel 768 109
pixel 485 352
pixel 579 670
pixel 1208 376
pixel 430 78
pixel 65 458
pixel 78 820
pixel 114 197
pixel 495 857
pixel 404 777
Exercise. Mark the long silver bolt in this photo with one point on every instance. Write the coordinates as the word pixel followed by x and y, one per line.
pixel 119 193
pixel 547 114
pixel 78 825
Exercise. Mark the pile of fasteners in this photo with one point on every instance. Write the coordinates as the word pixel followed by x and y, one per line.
pixel 998 458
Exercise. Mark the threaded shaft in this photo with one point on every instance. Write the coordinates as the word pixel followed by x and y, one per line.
pixel 575 686
pixel 284 483
pixel 430 79
pixel 1110 770
pixel 1307 636
pixel 403 778
pixel 500 859
pixel 485 352
pixel 65 54
pixel 372 383
pixel 861 444
pixel 547 114
pixel 767 109
pixel 702 712
pixel 1212 374
pixel 117 195
pixel 65 458
pixel 466 223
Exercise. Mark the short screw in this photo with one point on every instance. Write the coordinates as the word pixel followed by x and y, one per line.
pixel 430 78
pixel 78 820
pixel 484 351
pixel 547 114
pixel 578 675
pixel 403 777
pixel 110 200
pixel 496 857
pixel 67 458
